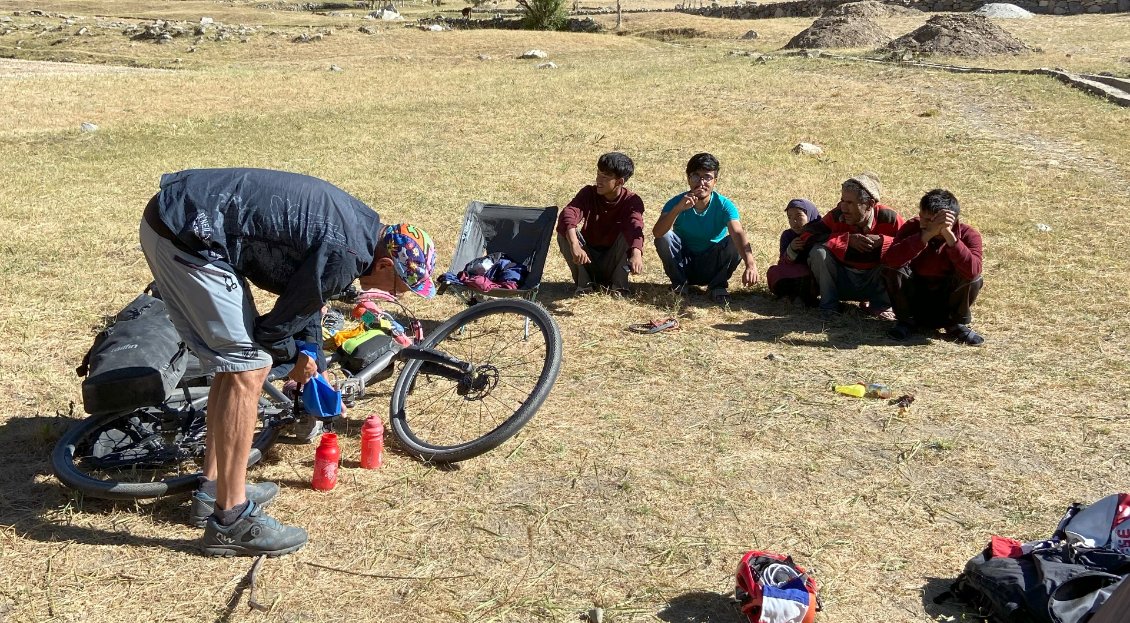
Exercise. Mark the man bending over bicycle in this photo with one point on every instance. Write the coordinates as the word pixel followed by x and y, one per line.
pixel 205 235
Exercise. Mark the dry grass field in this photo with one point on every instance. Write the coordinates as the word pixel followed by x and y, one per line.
pixel 657 460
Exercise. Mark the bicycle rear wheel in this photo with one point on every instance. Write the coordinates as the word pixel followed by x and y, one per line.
pixel 147 452
pixel 514 347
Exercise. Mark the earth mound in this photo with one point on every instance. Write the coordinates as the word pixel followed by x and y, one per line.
pixel 965 35
pixel 872 9
pixel 840 31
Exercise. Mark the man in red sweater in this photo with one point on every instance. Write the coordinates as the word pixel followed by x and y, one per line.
pixel 933 271
pixel 600 232
pixel 846 246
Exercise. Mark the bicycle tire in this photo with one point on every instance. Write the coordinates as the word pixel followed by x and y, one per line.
pixel 118 432
pixel 540 331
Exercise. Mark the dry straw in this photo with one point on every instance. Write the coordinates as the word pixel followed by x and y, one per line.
pixel 658 459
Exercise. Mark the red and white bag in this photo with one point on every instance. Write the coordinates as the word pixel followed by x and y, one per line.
pixel 1106 524
pixel 771 588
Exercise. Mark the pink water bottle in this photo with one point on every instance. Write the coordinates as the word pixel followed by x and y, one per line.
pixel 372 442
pixel 325 463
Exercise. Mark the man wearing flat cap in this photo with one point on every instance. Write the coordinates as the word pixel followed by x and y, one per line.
pixel 846 247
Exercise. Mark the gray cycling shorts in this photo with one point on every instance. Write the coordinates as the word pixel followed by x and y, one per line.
pixel 210 306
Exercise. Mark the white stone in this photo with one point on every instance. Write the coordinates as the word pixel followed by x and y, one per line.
pixel 335 68
pixel 387 15
pixel 1044 227
pixel 1001 10
pixel 88 127
pixel 204 21
pixel 534 54
pixel 434 28
pixel 808 149
pixel 549 65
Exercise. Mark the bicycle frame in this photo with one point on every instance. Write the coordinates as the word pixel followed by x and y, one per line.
pixel 352 388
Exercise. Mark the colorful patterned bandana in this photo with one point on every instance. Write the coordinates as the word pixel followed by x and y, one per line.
pixel 413 256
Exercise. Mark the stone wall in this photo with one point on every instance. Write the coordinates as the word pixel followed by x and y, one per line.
pixel 815 8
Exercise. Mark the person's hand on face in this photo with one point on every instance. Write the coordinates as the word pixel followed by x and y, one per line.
pixel 701 185
pixel 948 220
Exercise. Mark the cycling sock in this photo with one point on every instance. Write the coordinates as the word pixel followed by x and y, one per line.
pixel 208 487
pixel 231 515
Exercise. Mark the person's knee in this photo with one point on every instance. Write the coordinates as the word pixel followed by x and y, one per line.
pixel 819 259
pixel 965 283
pixel 666 244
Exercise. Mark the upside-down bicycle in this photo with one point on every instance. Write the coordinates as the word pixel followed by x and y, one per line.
pixel 463 390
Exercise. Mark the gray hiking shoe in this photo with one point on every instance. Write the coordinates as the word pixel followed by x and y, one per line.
pixel 203 504
pixel 253 534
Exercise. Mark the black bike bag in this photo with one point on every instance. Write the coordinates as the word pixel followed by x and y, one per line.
pixel 359 352
pixel 135 362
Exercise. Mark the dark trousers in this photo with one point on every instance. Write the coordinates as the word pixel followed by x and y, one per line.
pixel 608 266
pixel 711 268
pixel 931 302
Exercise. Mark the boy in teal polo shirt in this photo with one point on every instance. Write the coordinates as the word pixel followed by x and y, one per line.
pixel 700 238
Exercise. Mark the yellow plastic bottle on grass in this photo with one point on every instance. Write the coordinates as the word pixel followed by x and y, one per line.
pixel 857 390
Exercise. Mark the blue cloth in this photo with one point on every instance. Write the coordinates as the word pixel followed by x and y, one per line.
pixel 319 398
pixel 699 232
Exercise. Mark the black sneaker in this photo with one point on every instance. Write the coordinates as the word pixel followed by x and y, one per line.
pixel 962 334
pixel 203 504
pixel 901 331
pixel 253 534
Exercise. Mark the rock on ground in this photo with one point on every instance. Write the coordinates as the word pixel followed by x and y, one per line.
pixel 840 31
pixel 807 149
pixel 959 35
pixel 534 54
pixel 1003 10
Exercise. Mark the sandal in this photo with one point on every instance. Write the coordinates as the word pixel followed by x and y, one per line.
pixel 655 326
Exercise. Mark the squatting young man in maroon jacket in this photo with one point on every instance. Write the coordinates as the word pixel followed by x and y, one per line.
pixel 933 271
pixel 600 232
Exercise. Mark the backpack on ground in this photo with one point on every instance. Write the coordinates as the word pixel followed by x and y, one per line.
pixel 135 362
pixel 771 588
pixel 1065 579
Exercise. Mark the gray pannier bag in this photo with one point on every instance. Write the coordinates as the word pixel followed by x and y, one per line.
pixel 135 362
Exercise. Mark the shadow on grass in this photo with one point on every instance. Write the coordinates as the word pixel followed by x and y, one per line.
pixel 949 607
pixel 701 607
pixel 798 326
pixel 37 507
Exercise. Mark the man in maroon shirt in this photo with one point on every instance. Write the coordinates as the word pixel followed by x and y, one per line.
pixel 933 271
pixel 600 232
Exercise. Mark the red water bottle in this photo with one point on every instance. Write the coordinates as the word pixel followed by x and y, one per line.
pixel 372 442
pixel 325 463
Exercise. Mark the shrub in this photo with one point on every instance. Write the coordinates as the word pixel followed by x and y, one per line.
pixel 544 14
